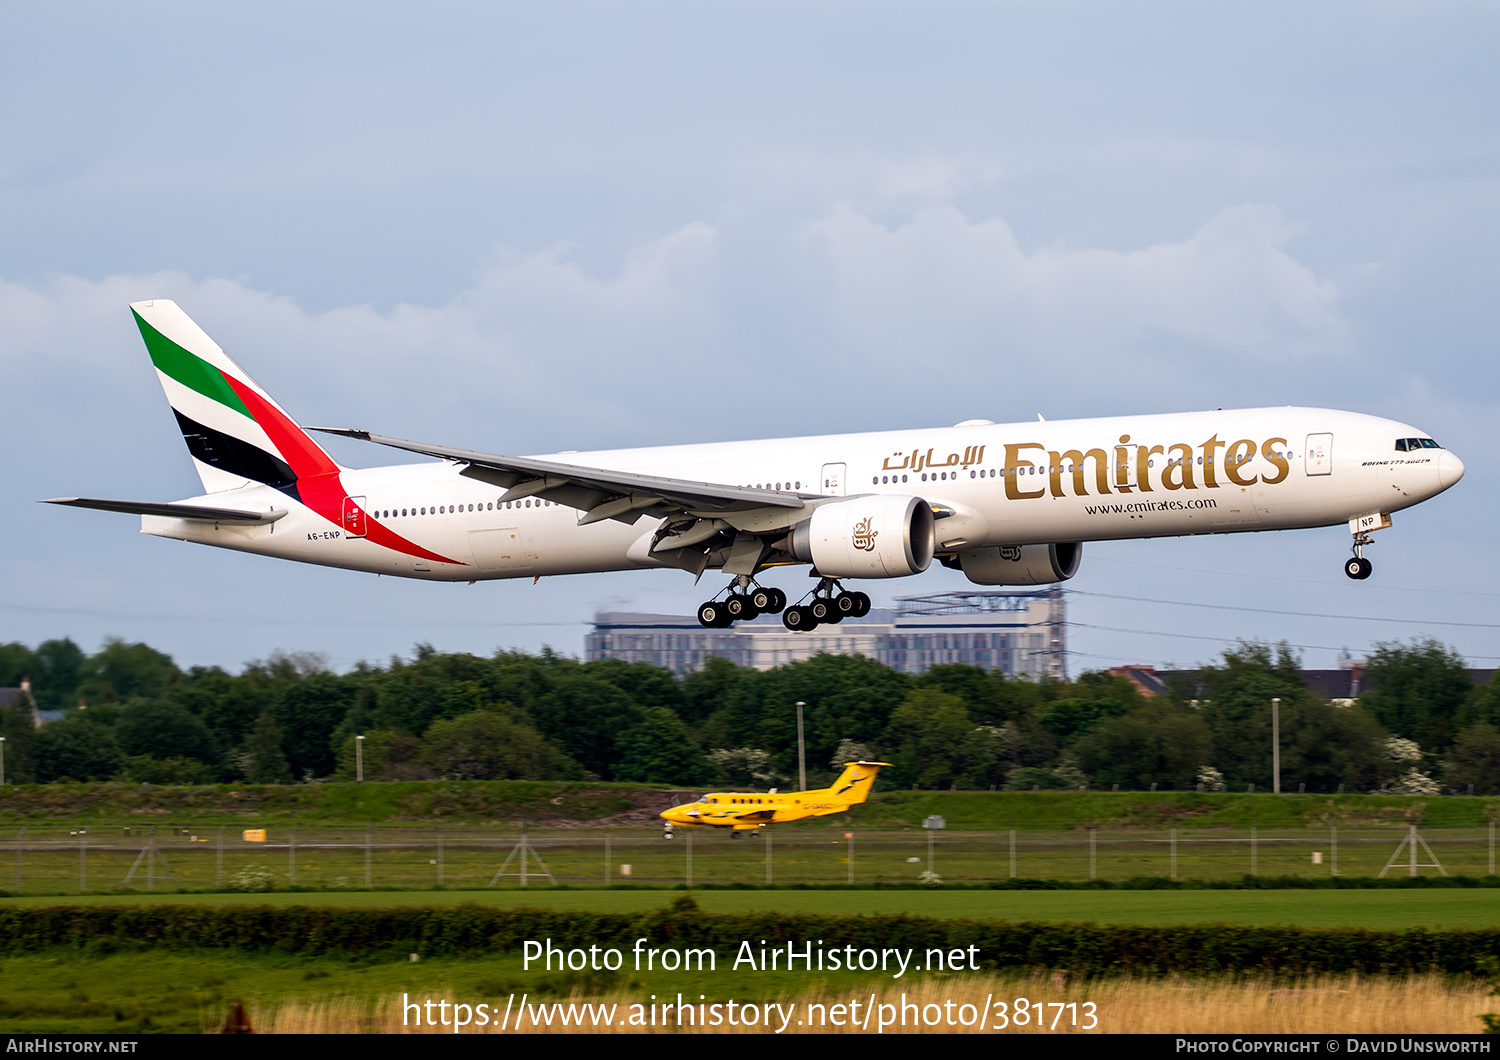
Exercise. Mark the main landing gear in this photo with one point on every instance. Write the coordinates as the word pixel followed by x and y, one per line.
pixel 829 604
pixel 1357 567
pixel 746 600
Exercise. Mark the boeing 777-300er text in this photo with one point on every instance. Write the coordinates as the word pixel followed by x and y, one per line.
pixel 1006 503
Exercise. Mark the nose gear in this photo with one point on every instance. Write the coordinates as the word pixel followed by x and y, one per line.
pixel 1357 567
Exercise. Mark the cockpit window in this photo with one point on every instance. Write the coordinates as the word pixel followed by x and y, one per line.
pixel 1411 445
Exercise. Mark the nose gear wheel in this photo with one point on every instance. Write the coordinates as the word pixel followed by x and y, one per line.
pixel 1357 567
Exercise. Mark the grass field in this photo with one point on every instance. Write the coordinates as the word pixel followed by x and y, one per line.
pixel 47 860
pixel 409 838
pixel 191 993
pixel 105 806
pixel 1324 1005
pixel 1390 910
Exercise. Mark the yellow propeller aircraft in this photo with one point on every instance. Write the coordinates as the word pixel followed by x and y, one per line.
pixel 746 810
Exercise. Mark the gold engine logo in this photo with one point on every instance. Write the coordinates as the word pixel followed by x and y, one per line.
pixel 864 537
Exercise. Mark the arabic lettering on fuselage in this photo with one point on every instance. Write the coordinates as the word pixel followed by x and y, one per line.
pixel 1129 468
pixel 916 460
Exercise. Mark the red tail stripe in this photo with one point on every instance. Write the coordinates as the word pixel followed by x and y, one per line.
pixel 318 482
pixel 304 454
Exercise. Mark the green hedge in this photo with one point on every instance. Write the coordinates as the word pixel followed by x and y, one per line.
pixel 1134 883
pixel 1083 949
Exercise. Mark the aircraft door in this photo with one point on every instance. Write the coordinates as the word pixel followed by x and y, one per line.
pixel 354 517
pixel 1319 454
pixel 833 480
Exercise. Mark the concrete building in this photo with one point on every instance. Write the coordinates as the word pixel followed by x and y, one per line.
pixel 1016 632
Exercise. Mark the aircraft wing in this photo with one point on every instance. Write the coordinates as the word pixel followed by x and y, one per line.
pixel 695 510
pixel 198 512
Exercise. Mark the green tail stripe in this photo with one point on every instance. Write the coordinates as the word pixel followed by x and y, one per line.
pixel 189 370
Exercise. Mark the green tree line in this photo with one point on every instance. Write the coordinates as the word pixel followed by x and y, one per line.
pixel 130 713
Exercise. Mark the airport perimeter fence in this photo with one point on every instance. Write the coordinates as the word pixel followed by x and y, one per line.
pixel 47 859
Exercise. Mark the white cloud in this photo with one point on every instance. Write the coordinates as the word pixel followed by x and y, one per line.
pixel 557 355
pixel 944 282
pixel 536 334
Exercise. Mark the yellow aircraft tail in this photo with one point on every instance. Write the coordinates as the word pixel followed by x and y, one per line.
pixel 855 782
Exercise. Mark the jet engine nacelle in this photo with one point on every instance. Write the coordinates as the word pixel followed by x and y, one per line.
pixel 866 537
pixel 1022 564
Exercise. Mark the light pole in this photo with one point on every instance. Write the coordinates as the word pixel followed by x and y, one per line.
pixel 359 758
pixel 1276 745
pixel 801 750
pixel 2 761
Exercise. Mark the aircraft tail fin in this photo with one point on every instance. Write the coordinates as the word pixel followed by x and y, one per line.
pixel 235 431
pixel 855 782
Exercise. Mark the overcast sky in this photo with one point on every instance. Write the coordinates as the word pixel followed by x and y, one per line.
pixel 530 227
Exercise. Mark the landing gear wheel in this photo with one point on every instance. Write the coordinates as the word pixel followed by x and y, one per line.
pixel 797 619
pixel 778 602
pixel 760 599
pixel 821 611
pixel 863 605
pixel 739 608
pixel 713 615
pixel 1358 568
pixel 845 604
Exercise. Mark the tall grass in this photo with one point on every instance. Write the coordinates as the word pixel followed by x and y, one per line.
pixel 1347 1005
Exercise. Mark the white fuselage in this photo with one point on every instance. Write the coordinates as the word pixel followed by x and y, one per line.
pixel 1004 484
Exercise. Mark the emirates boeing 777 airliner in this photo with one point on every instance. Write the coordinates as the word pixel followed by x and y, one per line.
pixel 1007 504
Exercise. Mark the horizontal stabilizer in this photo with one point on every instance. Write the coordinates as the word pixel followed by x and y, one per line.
pixel 173 511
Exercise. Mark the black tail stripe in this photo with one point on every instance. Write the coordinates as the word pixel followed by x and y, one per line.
pixel 230 454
